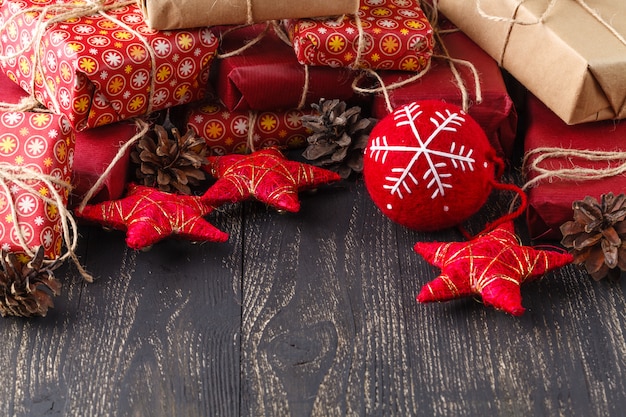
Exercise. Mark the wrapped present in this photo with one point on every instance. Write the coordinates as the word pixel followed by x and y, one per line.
pixel 36 155
pixel 495 113
pixel 388 34
pixel 93 152
pixel 104 66
pixel 228 132
pixel 177 14
pixel 251 79
pixel 566 163
pixel 577 65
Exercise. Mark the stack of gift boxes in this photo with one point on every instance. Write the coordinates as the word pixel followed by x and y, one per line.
pixel 243 74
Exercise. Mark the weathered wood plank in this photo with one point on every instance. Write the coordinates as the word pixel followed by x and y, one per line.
pixel 323 322
pixel 311 313
pixel 156 334
pixel 564 356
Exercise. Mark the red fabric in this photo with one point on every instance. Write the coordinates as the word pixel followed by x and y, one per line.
pixel 94 150
pixel 429 166
pixel 149 215
pixel 227 132
pixel 44 143
pixel 100 71
pixel 265 175
pixel 495 114
pixel 397 36
pixel 550 202
pixel 492 266
pixel 268 76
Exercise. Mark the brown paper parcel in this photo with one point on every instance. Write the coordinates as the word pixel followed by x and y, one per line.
pixel 570 60
pixel 180 14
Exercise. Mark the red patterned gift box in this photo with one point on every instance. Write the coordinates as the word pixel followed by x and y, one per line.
pixel 36 149
pixel 105 66
pixel 396 35
pixel 94 150
pixel 253 78
pixel 495 113
pixel 570 148
pixel 228 132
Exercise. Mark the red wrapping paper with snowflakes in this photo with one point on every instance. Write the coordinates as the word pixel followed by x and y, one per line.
pixel 397 35
pixel 550 201
pixel 228 132
pixel 250 80
pixel 495 114
pixel 93 152
pixel 103 68
pixel 44 143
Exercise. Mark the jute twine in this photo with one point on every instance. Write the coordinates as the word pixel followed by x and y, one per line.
pixel 543 17
pixel 60 13
pixel 433 17
pixel 533 159
pixel 22 177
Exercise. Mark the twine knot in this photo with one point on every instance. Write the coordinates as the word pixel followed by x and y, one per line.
pixel 23 178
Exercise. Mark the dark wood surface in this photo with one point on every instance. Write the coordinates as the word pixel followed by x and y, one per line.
pixel 311 313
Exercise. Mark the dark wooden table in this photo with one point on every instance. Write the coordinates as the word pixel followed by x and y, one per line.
pixel 311 313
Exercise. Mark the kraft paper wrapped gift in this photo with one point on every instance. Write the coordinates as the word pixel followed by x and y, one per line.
pixel 570 148
pixel 566 56
pixel 180 14
pixel 268 76
pixel 396 34
pixel 496 113
pixel 101 67
pixel 93 152
pixel 228 132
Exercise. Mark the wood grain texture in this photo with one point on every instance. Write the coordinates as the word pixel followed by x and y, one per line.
pixel 312 313
pixel 157 334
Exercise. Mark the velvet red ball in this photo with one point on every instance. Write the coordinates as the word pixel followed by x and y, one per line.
pixel 429 166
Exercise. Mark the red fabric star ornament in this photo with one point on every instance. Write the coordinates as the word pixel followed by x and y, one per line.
pixel 492 265
pixel 265 175
pixel 149 215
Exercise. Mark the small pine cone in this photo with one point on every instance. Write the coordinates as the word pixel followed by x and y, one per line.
pixel 26 290
pixel 169 161
pixel 596 236
pixel 339 136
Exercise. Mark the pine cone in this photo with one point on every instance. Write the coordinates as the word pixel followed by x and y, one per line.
pixel 169 161
pixel 26 290
pixel 596 236
pixel 339 136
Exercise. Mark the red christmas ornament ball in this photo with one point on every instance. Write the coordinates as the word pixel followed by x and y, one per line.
pixel 429 166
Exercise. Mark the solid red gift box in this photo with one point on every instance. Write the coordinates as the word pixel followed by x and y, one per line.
pixel 104 67
pixel 495 113
pixel 550 201
pixel 396 35
pixel 268 76
pixel 93 152
pixel 228 132
pixel 42 143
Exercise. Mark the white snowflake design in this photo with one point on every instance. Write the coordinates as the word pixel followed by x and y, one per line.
pixel 402 179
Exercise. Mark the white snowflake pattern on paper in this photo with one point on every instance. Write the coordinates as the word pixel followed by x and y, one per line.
pixel 26 204
pixel 161 47
pixel 47 238
pixel 113 59
pixel 241 126
pixel 36 146
pixel 402 179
